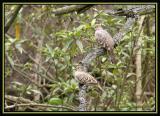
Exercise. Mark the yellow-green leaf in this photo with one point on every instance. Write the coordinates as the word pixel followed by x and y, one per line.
pixel 55 101
pixel 17 28
pixel 93 22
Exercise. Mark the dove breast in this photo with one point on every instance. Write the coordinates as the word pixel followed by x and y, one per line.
pixel 104 39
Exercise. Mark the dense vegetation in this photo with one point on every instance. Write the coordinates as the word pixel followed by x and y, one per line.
pixel 42 48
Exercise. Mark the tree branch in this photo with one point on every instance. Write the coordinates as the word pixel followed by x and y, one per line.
pixel 92 55
pixel 146 9
pixel 85 8
pixel 125 29
pixel 27 102
pixel 11 20
pixel 71 8
pixel 82 98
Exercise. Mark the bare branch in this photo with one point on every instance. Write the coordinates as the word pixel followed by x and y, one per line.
pixel 20 99
pixel 125 29
pixel 84 9
pixel 26 102
pixel 82 99
pixel 92 55
pixel 71 8
pixel 146 9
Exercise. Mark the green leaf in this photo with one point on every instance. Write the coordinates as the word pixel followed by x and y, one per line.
pixel 50 50
pixel 87 26
pixel 104 59
pixel 22 41
pixel 63 67
pixel 114 86
pixel 55 61
pixel 109 73
pixel 125 54
pixel 36 91
pixel 80 45
pixel 55 101
pixel 17 83
pixel 111 66
pixel 93 22
pixel 12 40
pixel 80 27
pixel 131 74
pixel 7 46
pixel 124 109
pixel 67 45
pixel 103 73
pixel 74 84
pixel 11 60
pixel 47 59
pixel 77 33
pixel 19 47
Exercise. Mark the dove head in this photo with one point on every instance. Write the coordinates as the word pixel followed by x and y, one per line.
pixel 78 67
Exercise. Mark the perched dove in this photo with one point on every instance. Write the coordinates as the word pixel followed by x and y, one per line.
pixel 105 40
